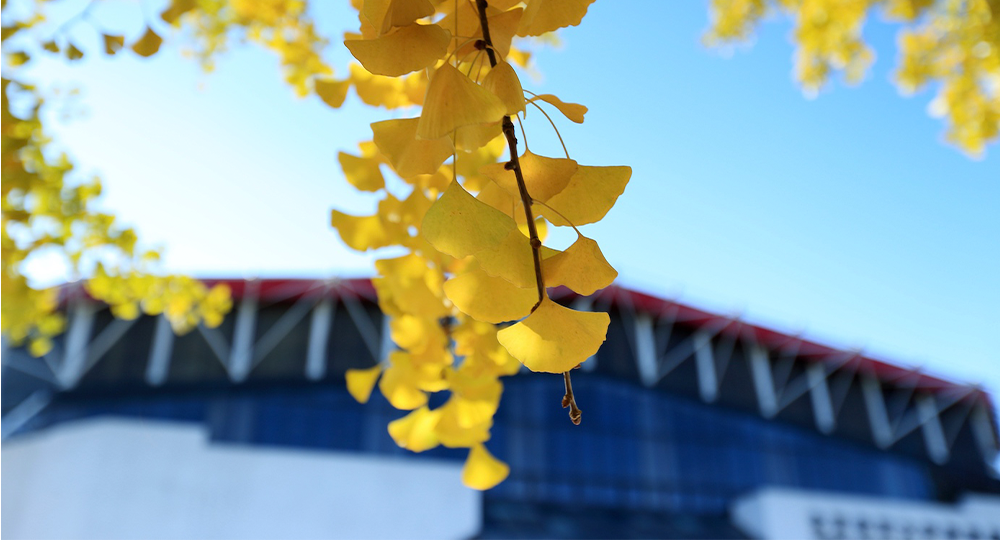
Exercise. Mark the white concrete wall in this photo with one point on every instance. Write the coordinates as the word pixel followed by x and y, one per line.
pixel 116 478
pixel 780 513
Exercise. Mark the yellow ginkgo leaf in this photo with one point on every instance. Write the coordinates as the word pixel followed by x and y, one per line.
pixel 503 26
pixel 487 298
pixel 554 339
pixel 591 192
pixel 385 14
pixel 497 197
pixel 582 268
pixel 409 156
pixel 332 92
pixel 415 431
pixel 416 288
pixel 360 382
pixel 401 51
pixel 511 259
pixel 475 136
pixel 460 225
pixel 503 82
pixel 573 111
pixel 148 44
pixel 544 177
pixel 360 232
pixel 542 16
pixel 453 434
pixel 378 91
pixel 399 384
pixel 362 173
pixel 482 471
pixel 112 43
pixel 502 23
pixel 454 100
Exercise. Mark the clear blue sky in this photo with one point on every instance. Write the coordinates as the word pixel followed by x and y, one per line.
pixel 845 216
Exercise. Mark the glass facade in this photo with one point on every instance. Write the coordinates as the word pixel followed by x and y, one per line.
pixel 638 449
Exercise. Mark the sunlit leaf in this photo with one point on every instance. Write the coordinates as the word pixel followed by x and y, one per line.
pixel 487 298
pixel 404 50
pixel 148 44
pixel 360 232
pixel 362 173
pixel 582 268
pixel 591 192
pixel 331 91
pixel 112 44
pixel 573 111
pixel 415 431
pixel 360 382
pixel 408 155
pixel 453 100
pixel 554 338
pixel 503 82
pixel 543 16
pixel 543 176
pixel 460 225
pixel 482 471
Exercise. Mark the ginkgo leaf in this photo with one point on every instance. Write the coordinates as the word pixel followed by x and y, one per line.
pixel 573 111
pixel 542 16
pixel 362 173
pixel 543 176
pixel 384 14
pixel 360 232
pixel 497 197
pixel 591 192
pixel 378 91
pixel 453 434
pixel 409 156
pixel 73 53
pixel 554 339
pixel 482 471
pixel 511 259
pixel 331 91
pixel 112 44
pixel 503 26
pixel 415 431
pixel 415 287
pixel 503 82
pixel 148 44
pixel 475 136
pixel 487 298
pixel 460 225
pixel 454 100
pixel 401 51
pixel 398 384
pixel 177 8
pixel 582 268
pixel 360 382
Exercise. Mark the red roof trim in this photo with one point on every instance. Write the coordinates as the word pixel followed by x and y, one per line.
pixel 278 290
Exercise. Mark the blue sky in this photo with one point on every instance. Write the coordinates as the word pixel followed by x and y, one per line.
pixel 844 217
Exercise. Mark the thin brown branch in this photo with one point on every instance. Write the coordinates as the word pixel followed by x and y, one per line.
pixel 515 165
pixel 536 245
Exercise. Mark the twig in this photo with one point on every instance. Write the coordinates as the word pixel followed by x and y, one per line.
pixel 515 165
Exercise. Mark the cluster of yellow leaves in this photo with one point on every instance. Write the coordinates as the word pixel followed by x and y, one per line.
pixel 470 262
pixel 48 211
pixel 954 42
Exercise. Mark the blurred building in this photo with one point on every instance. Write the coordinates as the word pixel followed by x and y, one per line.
pixel 695 426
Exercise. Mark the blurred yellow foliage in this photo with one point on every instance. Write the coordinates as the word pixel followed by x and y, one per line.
pixel 954 43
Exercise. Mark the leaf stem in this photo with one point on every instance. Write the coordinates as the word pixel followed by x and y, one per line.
pixel 536 245
pixel 569 400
